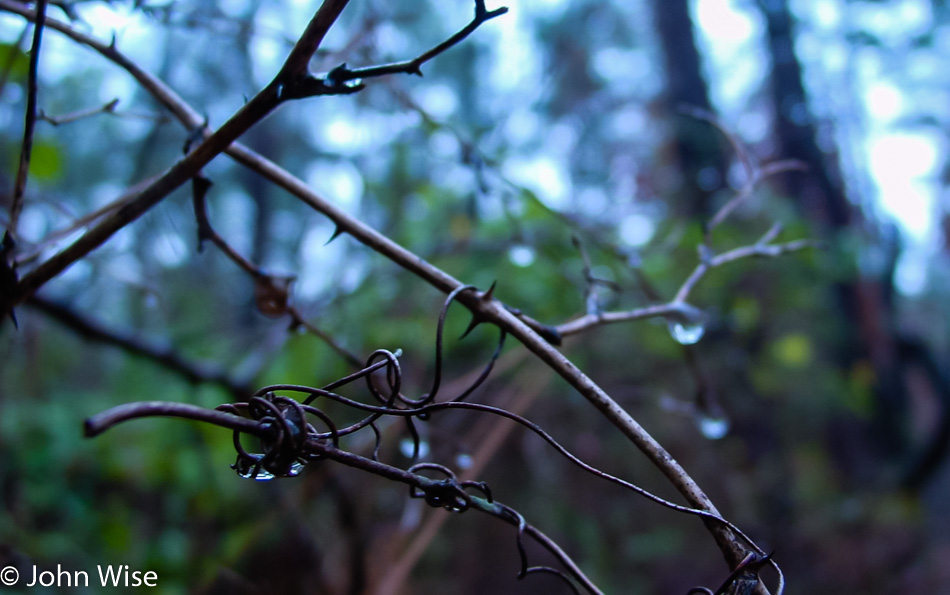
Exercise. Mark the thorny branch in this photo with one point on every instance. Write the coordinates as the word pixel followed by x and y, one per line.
pixel 489 310
pixel 188 167
pixel 535 337
pixel 9 277
pixel 289 442
pixel 341 74
pixel 30 120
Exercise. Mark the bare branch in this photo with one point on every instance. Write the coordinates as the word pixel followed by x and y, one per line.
pixel 30 123
pixel 108 108
pixel 249 114
pixel 164 356
pixel 100 423
pixel 342 74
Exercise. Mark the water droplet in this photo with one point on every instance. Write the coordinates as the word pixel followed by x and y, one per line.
pixel 260 475
pixel 463 460
pixel 406 446
pixel 686 333
pixel 265 475
pixel 713 428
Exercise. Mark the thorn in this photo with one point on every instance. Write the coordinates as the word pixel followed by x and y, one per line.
pixel 476 320
pixel 337 232
pixel 488 295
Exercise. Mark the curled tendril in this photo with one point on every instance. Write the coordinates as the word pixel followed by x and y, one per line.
pixel 284 435
pixel 430 396
pixel 445 493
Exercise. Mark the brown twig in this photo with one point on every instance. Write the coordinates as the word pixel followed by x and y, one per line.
pixel 109 108
pixel 100 423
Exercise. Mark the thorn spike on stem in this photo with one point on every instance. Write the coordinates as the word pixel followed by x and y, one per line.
pixel 337 232
pixel 476 320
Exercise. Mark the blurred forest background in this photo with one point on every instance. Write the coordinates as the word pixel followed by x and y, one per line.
pixel 815 409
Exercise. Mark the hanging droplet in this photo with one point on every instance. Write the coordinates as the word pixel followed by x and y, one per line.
pixel 686 333
pixel 295 469
pixel 257 473
pixel 687 324
pixel 713 428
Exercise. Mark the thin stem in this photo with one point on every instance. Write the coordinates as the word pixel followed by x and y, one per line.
pixel 30 120
pixel 100 423
pixel 342 74
pixel 71 117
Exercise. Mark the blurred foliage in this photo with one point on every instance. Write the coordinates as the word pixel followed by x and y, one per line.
pixel 546 125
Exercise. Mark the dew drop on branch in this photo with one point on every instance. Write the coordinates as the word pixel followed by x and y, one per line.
pixel 686 333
